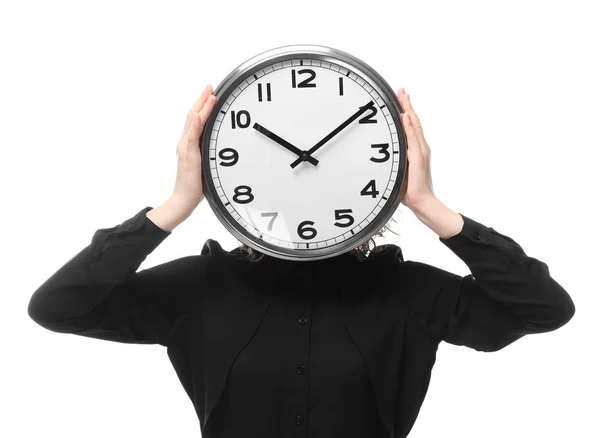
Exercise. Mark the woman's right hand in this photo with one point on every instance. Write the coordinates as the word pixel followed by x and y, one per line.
pixel 188 183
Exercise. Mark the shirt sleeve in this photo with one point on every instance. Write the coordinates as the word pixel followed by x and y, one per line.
pixel 507 295
pixel 99 294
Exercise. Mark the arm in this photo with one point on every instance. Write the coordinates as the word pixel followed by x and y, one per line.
pixel 508 294
pixel 99 294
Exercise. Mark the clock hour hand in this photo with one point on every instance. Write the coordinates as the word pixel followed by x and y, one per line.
pixel 332 134
pixel 277 139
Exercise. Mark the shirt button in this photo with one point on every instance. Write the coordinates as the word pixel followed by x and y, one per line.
pixel 302 320
pixel 298 419
pixel 476 234
pixel 130 226
pixel 300 369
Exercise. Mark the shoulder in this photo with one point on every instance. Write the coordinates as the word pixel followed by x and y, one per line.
pixel 409 270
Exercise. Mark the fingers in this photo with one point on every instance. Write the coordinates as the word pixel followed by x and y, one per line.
pixel 198 105
pixel 412 116
pixel 199 119
pixel 411 134
pixel 409 129
pixel 200 102
pixel 401 93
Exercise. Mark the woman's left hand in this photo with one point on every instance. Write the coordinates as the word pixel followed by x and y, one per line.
pixel 417 186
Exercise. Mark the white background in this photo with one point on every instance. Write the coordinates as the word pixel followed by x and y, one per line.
pixel 93 97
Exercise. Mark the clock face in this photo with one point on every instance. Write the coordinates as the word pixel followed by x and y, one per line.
pixel 264 174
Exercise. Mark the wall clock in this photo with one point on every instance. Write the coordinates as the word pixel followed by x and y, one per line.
pixel 304 153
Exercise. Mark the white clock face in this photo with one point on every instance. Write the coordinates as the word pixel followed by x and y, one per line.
pixel 339 189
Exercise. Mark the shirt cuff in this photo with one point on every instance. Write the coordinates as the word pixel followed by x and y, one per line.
pixel 471 232
pixel 137 232
pixel 140 222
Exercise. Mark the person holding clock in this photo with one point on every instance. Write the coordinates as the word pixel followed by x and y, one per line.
pixel 303 330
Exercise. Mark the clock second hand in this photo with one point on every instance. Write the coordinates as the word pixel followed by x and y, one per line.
pixel 306 154
pixel 277 139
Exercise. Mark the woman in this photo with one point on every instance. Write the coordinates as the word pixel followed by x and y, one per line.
pixel 266 347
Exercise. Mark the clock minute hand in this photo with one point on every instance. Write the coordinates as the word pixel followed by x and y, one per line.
pixel 332 134
pixel 286 144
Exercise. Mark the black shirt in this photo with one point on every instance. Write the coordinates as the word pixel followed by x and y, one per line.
pixel 318 374
pixel 277 348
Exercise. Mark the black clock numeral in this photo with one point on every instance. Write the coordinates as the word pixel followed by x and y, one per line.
pixel 230 155
pixel 303 228
pixel 243 191
pixel 260 92
pixel 343 214
pixel 370 189
pixel 383 149
pixel 341 86
pixel 369 117
pixel 306 82
pixel 236 119
pixel 274 215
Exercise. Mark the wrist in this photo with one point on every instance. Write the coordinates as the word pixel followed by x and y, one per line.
pixel 171 213
pixel 442 220
pixel 183 203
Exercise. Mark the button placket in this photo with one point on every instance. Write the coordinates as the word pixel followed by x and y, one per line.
pixel 303 286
